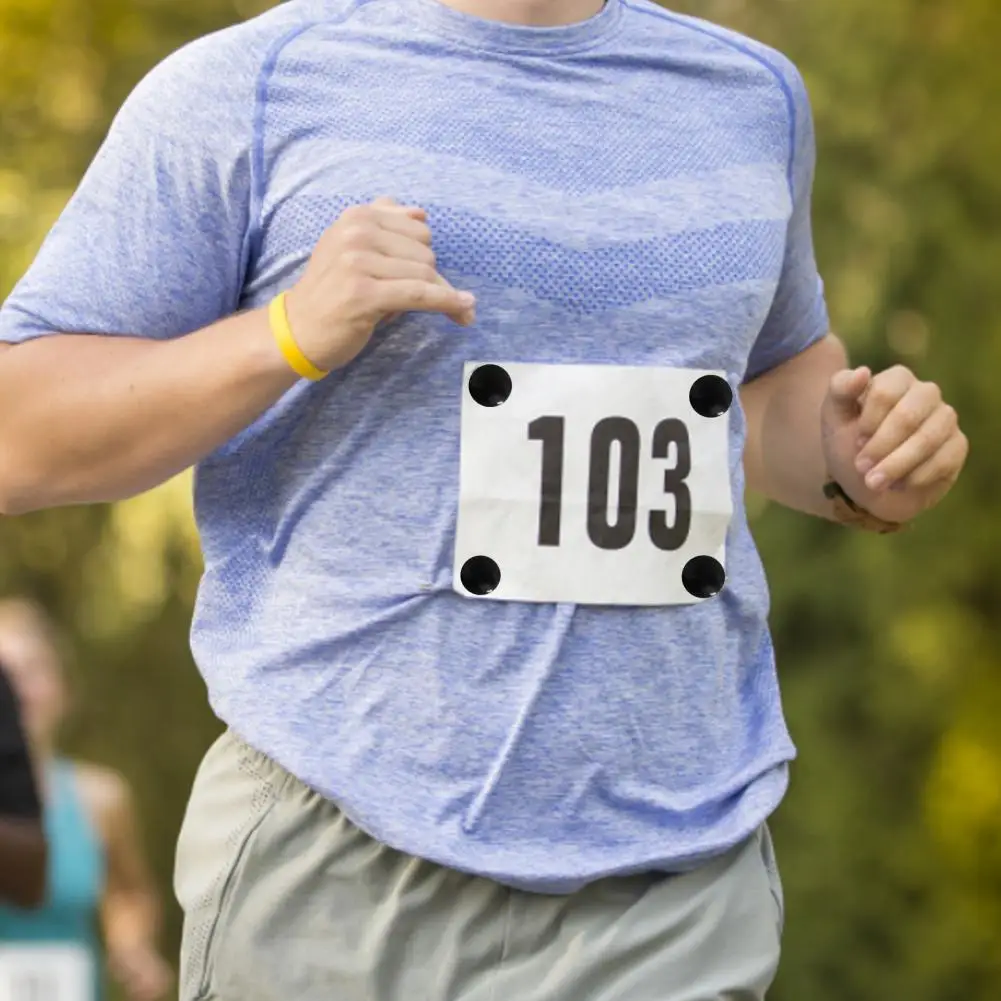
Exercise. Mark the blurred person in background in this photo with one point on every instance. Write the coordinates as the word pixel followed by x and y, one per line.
pixel 96 864
pixel 23 848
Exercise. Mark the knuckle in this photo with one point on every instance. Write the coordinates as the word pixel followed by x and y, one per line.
pixel 937 468
pixel 882 396
pixel 352 215
pixel 910 419
pixel 355 236
pixel 353 259
pixel 932 391
pixel 924 442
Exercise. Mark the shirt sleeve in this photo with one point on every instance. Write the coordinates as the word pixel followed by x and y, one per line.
pixel 798 316
pixel 18 793
pixel 154 240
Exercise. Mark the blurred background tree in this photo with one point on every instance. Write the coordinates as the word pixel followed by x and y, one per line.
pixel 890 649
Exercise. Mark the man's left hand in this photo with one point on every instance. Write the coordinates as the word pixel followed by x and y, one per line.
pixel 891 441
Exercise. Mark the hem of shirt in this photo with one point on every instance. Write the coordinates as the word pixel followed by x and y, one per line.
pixel 761 796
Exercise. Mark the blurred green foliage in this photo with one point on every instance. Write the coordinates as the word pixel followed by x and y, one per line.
pixel 889 649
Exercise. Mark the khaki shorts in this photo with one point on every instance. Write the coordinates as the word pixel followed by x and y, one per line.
pixel 286 900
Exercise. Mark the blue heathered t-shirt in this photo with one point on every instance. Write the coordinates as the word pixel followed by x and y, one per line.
pixel 630 190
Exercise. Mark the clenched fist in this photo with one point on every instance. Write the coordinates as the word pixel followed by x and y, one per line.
pixel 891 441
pixel 374 262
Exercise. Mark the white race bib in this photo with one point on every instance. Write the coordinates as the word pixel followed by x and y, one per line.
pixel 45 972
pixel 593 484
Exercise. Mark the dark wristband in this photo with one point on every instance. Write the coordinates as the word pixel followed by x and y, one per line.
pixel 847 512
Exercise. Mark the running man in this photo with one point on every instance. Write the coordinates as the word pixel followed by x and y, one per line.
pixel 477 317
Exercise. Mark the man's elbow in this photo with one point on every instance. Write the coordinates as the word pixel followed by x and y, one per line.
pixel 11 504
pixel 17 495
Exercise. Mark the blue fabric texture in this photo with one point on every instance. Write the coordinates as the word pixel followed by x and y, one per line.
pixel 633 189
pixel 75 877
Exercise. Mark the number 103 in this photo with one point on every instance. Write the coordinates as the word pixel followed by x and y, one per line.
pixel 603 532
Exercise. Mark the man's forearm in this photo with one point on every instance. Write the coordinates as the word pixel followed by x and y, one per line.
pixel 86 418
pixel 784 458
pixel 22 862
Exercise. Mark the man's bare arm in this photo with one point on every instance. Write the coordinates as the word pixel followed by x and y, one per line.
pixel 783 457
pixel 89 419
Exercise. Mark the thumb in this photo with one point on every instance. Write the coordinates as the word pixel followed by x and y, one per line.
pixel 846 392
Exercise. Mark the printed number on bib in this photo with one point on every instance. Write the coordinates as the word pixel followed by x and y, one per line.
pixel 593 484
pixel 55 972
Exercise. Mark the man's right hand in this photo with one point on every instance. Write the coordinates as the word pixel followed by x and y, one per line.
pixel 373 263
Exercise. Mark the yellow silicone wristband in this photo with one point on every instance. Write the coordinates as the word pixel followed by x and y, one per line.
pixel 285 339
